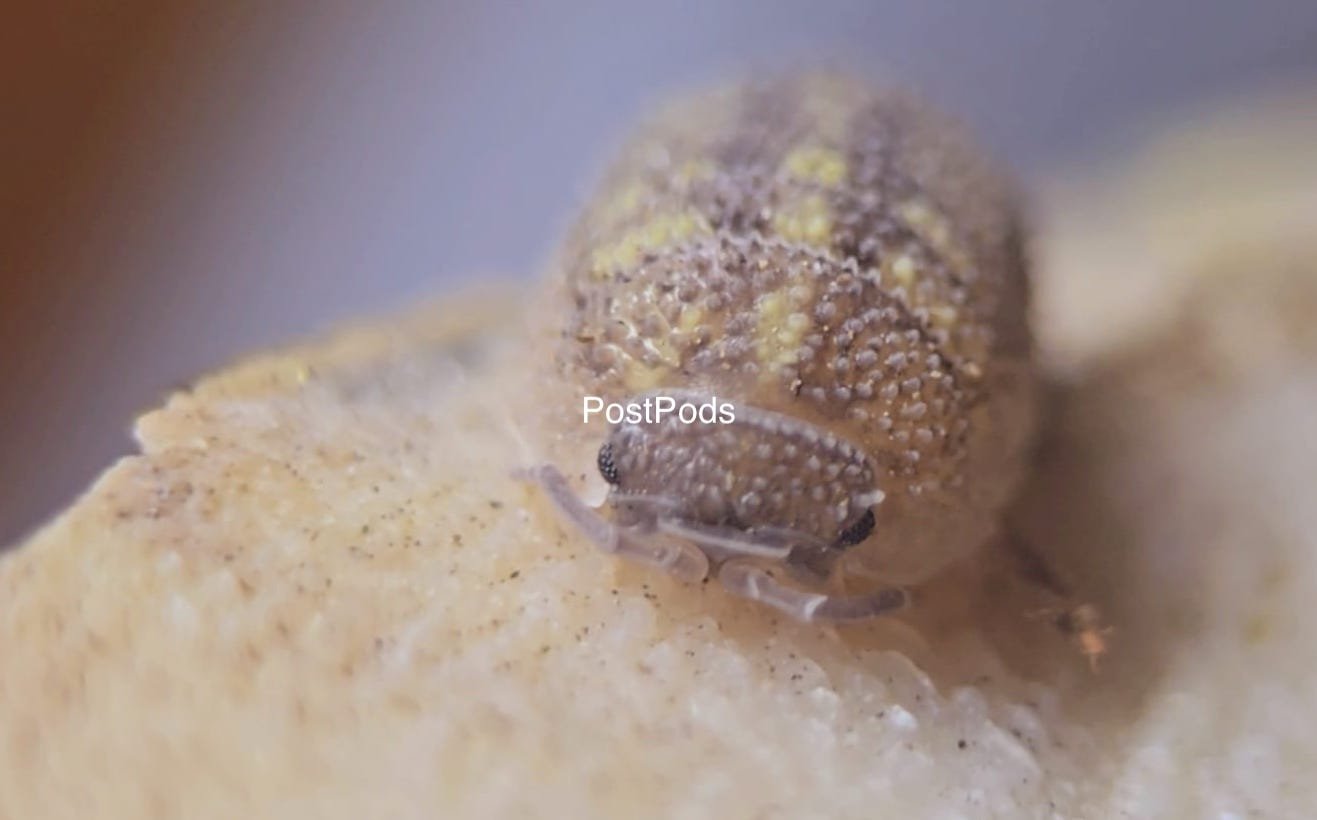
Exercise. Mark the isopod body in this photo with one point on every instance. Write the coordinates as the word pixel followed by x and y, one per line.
pixel 842 264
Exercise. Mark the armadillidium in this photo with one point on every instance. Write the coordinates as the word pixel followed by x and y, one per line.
pixel 843 265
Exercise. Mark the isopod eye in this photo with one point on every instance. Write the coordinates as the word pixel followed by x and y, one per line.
pixel 607 467
pixel 857 532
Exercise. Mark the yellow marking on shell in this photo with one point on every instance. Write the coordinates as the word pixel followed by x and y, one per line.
pixel 781 328
pixel 639 376
pixel 659 232
pixel 663 350
pixel 943 316
pixel 690 318
pixel 816 164
pixel 661 341
pixel 794 331
pixel 806 220
pixel 904 271
pixel 933 230
pixel 773 309
pixel 643 374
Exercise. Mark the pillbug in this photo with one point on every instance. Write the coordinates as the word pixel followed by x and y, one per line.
pixel 842 264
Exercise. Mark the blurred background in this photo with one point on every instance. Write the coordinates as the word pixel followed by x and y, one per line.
pixel 182 182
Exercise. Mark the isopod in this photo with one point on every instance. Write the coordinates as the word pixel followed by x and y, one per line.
pixel 845 266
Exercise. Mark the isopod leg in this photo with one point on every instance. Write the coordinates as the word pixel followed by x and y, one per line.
pixel 598 530
pixel 685 561
pixel 750 580
pixel 725 541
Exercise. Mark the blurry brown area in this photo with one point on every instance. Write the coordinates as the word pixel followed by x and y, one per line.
pixel 70 74
pixel 86 92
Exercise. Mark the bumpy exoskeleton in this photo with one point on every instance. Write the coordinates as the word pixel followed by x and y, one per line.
pixel 842 265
